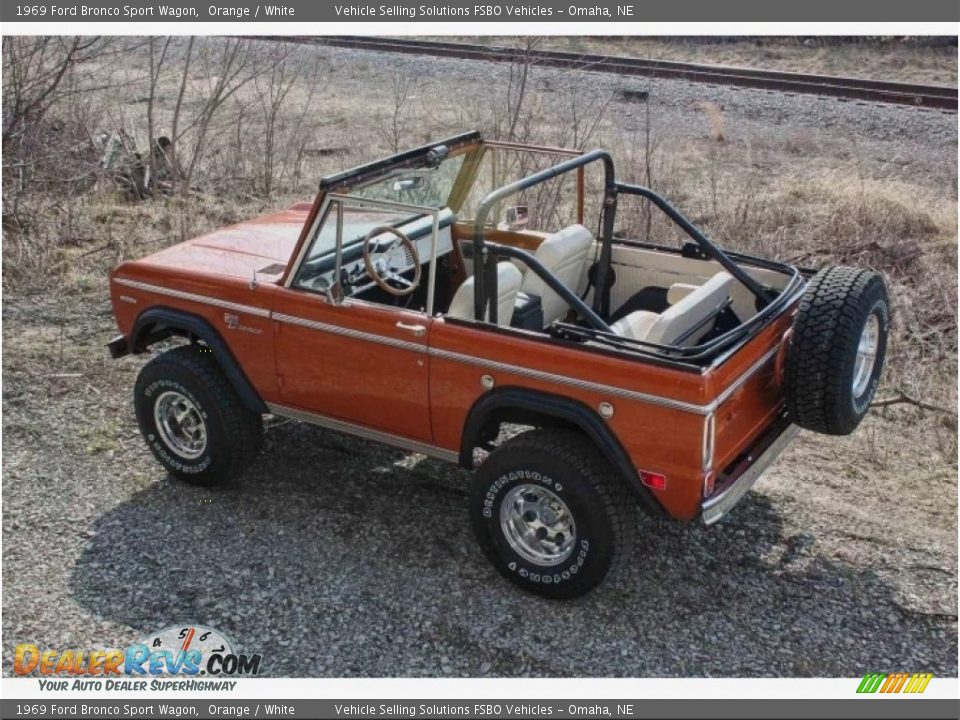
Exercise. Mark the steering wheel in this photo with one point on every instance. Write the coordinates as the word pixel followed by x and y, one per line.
pixel 384 263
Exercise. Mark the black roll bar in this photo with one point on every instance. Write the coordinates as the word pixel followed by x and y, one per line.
pixel 702 240
pixel 496 251
pixel 485 288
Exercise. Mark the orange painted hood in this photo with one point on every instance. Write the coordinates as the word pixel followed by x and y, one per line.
pixel 263 244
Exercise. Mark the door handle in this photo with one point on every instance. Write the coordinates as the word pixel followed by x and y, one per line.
pixel 418 330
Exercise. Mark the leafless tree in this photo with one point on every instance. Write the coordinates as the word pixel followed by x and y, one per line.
pixel 34 72
pixel 44 109
pixel 178 108
pixel 303 132
pixel 393 131
pixel 272 90
pixel 224 72
pixel 517 85
pixel 156 67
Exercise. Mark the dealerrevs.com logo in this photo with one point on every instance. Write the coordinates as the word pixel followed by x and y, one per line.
pixel 176 651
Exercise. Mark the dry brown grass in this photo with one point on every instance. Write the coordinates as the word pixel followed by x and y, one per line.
pixel 715 119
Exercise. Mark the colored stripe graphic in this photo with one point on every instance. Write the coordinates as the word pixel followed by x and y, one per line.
pixel 870 683
pixel 894 683
pixel 925 679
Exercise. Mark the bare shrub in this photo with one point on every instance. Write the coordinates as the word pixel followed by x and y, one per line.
pixel 82 117
pixel 36 71
pixel 715 119
pixel 224 71
pixel 395 117
pixel 47 143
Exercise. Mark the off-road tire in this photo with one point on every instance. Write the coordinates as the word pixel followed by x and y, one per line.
pixel 821 360
pixel 569 465
pixel 234 433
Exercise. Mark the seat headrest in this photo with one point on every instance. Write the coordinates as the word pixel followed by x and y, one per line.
pixel 686 315
pixel 678 291
pixel 563 243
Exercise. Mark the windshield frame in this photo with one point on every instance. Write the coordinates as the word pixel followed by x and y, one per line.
pixel 348 180
pixel 336 203
pixel 469 144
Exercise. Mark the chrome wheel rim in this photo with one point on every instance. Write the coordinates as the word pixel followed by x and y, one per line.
pixel 180 424
pixel 866 355
pixel 538 525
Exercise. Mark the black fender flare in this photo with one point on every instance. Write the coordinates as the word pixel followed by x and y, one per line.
pixel 179 322
pixel 566 410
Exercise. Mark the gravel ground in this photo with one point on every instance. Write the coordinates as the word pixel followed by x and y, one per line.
pixel 335 556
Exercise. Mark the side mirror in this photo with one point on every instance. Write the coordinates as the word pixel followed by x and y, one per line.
pixel 518 217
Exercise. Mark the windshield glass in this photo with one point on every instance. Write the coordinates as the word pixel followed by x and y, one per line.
pixel 426 186
pixel 357 222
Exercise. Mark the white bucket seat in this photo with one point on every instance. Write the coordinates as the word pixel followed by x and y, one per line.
pixel 508 285
pixel 564 254
pixel 686 321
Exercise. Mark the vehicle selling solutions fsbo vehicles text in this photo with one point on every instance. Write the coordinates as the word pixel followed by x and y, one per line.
pixel 415 11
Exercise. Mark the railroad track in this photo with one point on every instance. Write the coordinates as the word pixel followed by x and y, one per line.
pixel 928 96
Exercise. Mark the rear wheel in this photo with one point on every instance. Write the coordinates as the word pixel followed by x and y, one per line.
pixel 550 513
pixel 837 350
pixel 193 420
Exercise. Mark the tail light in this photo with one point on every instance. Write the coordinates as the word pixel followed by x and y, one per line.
pixel 709 482
pixel 653 480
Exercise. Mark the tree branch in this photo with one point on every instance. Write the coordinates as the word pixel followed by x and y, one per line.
pixel 903 399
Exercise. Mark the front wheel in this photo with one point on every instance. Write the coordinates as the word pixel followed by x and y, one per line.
pixel 550 513
pixel 192 419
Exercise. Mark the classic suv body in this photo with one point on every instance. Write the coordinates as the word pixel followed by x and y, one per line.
pixel 669 376
pixel 418 391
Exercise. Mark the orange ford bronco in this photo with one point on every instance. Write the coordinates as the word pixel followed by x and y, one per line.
pixel 409 305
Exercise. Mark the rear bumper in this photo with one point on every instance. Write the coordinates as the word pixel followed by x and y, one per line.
pixel 118 347
pixel 747 471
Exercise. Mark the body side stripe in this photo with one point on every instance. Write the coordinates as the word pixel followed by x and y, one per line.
pixel 193 297
pixel 532 373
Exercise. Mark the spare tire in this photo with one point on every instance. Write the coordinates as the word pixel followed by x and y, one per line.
pixel 837 349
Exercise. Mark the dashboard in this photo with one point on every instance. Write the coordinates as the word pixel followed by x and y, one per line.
pixel 318 273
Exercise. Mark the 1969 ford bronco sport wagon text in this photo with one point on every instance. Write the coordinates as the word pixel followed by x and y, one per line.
pixel 409 303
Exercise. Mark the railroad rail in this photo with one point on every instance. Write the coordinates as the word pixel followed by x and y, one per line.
pixel 928 96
